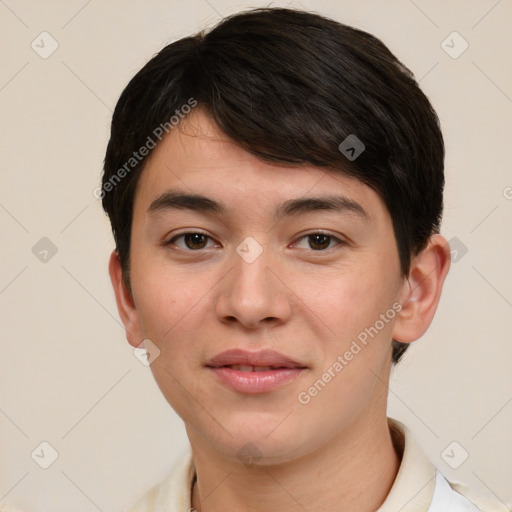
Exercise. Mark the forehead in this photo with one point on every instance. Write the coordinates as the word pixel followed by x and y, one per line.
pixel 196 157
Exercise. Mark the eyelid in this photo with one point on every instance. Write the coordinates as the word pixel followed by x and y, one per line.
pixel 170 241
pixel 340 241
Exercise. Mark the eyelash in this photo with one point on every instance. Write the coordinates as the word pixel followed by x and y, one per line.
pixel 313 233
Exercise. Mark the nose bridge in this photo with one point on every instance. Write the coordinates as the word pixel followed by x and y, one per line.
pixel 252 294
pixel 251 267
pixel 250 278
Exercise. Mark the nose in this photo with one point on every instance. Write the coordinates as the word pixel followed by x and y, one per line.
pixel 253 294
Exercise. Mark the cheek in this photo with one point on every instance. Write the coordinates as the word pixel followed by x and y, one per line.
pixel 347 301
pixel 172 309
pixel 164 295
pixel 360 318
pixel 175 311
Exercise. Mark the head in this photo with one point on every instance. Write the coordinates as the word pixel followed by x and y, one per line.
pixel 259 111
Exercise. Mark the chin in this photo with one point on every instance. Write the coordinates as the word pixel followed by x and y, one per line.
pixel 262 443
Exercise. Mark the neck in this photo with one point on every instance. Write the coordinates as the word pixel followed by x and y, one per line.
pixel 354 472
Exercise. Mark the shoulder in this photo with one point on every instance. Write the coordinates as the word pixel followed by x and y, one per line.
pixel 437 494
pixel 480 502
pixel 459 498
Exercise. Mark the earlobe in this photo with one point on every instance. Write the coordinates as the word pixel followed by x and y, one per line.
pixel 125 303
pixel 422 290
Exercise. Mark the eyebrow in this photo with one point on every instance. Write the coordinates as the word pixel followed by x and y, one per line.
pixel 330 203
pixel 176 200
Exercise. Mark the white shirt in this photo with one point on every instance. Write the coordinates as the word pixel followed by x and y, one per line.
pixel 418 487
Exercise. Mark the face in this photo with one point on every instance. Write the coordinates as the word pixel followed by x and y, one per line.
pixel 296 260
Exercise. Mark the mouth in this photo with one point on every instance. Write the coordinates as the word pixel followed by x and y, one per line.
pixel 254 372
pixel 249 368
pixel 245 361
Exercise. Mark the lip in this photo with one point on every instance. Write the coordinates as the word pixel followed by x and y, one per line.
pixel 283 372
pixel 260 358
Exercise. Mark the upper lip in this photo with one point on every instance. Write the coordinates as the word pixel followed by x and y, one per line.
pixel 260 358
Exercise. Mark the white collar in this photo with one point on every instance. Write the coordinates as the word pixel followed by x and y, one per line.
pixel 418 486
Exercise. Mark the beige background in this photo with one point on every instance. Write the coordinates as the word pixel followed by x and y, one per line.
pixel 67 374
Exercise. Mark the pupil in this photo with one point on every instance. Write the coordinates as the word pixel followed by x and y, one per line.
pixel 193 239
pixel 320 239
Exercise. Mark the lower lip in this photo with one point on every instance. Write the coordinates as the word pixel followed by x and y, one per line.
pixel 256 382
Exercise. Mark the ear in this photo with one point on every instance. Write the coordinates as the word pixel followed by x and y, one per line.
pixel 422 290
pixel 125 304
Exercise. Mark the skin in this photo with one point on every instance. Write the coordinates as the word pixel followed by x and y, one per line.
pixel 301 297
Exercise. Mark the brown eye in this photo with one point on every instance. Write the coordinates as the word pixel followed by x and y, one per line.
pixel 319 241
pixel 193 240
